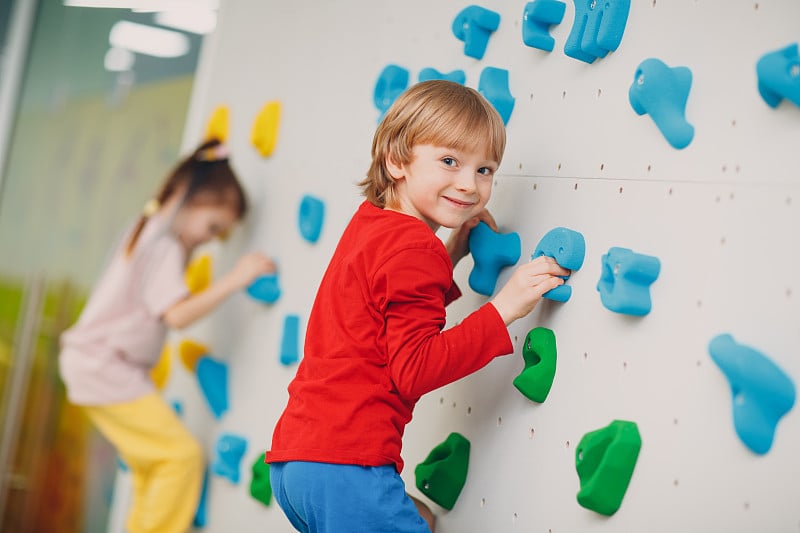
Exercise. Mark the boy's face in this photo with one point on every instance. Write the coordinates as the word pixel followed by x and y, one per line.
pixel 442 186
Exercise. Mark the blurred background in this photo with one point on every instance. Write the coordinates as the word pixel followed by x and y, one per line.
pixel 93 102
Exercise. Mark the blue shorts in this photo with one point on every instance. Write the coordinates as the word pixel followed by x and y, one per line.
pixel 331 498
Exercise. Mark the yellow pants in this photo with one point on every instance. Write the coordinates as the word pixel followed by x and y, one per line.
pixel 165 460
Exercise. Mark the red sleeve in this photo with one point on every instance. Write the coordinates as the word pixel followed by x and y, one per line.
pixel 453 294
pixel 422 357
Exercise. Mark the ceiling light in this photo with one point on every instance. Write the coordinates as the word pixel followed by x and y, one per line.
pixel 148 40
pixel 194 20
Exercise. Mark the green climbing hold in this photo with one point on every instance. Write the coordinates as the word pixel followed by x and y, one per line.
pixel 260 487
pixel 539 353
pixel 442 475
pixel 605 460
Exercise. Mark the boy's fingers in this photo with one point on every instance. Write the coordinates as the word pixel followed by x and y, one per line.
pixel 487 217
pixel 545 264
pixel 546 283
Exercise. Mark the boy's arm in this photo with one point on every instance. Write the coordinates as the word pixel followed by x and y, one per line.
pixel 422 357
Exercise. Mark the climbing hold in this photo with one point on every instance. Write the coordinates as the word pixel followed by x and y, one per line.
pixel 537 18
pixel 762 392
pixel 217 126
pixel 160 372
pixel 493 85
pixel 198 274
pixel 177 406
pixel 491 253
pixel 442 474
pixel 597 29
pixel 391 83
pixel 265 128
pixel 190 352
pixel 200 516
pixel 625 280
pixel 290 354
pixel 662 92
pixel 310 217
pixel 473 26
pixel 604 460
pixel 456 76
pixel 568 248
pixel 265 288
pixel 213 378
pixel 260 487
pixel 539 353
pixel 779 76
pixel 229 452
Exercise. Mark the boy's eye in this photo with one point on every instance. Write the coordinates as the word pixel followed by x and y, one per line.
pixel 449 161
pixel 486 171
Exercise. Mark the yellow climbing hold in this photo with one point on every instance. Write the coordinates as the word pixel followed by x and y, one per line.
pixel 217 127
pixel 160 373
pixel 198 274
pixel 265 128
pixel 190 352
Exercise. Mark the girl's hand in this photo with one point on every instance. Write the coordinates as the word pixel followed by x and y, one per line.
pixel 249 267
pixel 529 282
pixel 458 243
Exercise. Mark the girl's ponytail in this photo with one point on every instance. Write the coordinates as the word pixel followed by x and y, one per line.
pixel 206 171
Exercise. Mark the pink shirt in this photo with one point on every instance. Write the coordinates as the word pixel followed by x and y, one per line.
pixel 107 355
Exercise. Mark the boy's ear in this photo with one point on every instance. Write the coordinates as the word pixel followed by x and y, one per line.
pixel 396 171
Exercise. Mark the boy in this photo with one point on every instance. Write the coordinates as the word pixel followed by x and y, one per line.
pixel 374 342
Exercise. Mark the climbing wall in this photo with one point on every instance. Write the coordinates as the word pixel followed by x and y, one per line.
pixel 716 201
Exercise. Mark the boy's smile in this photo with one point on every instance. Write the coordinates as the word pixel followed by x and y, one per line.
pixel 442 186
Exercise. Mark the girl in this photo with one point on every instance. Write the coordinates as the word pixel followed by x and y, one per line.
pixel 107 355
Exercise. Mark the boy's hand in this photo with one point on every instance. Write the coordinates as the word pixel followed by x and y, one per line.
pixel 249 267
pixel 458 243
pixel 529 282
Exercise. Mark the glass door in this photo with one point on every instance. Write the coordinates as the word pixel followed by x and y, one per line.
pixel 93 132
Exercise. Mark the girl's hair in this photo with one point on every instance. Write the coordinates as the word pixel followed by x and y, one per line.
pixel 208 179
pixel 437 112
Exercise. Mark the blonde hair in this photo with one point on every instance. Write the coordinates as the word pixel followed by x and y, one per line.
pixel 437 112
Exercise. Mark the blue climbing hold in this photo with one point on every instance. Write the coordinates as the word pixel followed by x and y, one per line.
pixel 456 76
pixel 290 353
pixel 265 289
pixel 625 280
pixel 568 248
pixel 201 516
pixel 662 92
pixel 779 76
pixel 393 80
pixel 213 378
pixel 177 406
pixel 491 252
pixel 598 28
pixel 473 26
pixel 493 85
pixel 229 452
pixel 762 392
pixel 537 18
pixel 310 217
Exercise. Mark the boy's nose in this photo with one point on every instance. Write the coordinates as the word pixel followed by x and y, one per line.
pixel 465 181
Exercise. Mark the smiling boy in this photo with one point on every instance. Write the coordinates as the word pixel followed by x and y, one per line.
pixel 375 341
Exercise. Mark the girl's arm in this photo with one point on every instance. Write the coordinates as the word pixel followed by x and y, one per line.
pixel 196 306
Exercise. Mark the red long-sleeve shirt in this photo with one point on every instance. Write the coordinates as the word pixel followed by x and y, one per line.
pixel 374 344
